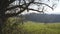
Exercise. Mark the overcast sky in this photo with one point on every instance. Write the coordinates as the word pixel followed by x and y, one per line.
pixel 56 10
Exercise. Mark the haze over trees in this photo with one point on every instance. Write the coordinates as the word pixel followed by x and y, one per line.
pixel 10 8
pixel 44 18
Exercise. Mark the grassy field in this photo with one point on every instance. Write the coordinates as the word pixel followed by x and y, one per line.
pixel 41 28
pixel 14 26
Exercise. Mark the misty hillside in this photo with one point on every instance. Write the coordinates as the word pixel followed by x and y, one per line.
pixel 42 17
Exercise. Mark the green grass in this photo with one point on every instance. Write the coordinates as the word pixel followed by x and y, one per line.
pixel 14 26
pixel 41 28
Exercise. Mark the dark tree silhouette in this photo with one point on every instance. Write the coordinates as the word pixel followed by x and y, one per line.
pixel 7 5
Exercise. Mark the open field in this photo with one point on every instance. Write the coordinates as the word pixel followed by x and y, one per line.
pixel 41 28
pixel 14 26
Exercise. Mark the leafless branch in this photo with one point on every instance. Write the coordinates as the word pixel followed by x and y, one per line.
pixel 43 4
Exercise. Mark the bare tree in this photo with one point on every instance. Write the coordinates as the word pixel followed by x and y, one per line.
pixel 7 5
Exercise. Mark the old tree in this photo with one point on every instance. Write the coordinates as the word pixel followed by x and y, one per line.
pixel 8 8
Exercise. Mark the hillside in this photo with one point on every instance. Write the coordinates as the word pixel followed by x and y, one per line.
pixel 42 17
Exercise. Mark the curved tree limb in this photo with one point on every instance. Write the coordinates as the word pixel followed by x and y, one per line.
pixel 15 14
pixel 43 4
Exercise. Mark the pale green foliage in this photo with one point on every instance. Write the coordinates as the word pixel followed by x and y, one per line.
pixel 12 26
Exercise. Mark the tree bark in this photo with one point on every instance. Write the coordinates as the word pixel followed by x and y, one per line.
pixel 3 18
pixel 1 25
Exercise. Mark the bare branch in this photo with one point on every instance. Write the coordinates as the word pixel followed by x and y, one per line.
pixel 43 4
pixel 34 10
pixel 26 7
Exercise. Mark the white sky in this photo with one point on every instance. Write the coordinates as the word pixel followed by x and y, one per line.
pixel 55 11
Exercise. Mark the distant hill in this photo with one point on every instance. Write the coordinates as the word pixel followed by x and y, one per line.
pixel 42 17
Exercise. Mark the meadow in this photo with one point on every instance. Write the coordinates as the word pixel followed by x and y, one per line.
pixel 29 27
pixel 41 28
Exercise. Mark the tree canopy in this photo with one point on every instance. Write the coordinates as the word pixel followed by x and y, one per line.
pixel 8 5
